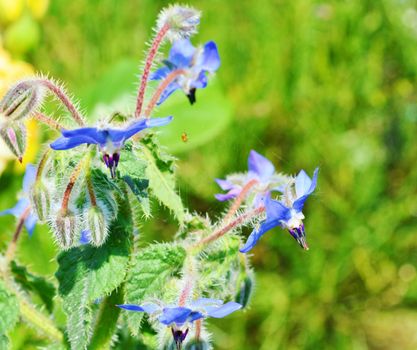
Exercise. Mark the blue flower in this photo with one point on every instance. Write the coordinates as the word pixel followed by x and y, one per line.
pixel 287 212
pixel 22 210
pixel 109 140
pixel 261 172
pixel 179 317
pixel 196 62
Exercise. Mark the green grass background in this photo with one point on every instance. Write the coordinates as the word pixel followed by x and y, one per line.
pixel 306 83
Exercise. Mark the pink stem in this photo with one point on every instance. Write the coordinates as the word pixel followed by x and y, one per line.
pixel 12 246
pixel 148 65
pixel 231 225
pixel 58 92
pixel 239 199
pixel 161 88
pixel 48 121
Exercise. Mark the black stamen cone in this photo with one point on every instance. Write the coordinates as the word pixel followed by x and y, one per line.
pixel 191 96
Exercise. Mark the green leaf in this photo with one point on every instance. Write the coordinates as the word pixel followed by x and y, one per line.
pixel 36 284
pixel 132 170
pixel 160 172
pixel 87 273
pixel 151 269
pixel 9 313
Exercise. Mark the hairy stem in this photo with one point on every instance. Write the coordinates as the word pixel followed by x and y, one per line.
pixel 239 221
pixel 161 88
pixel 198 329
pixel 48 121
pixel 62 96
pixel 11 249
pixel 90 187
pixel 188 282
pixel 148 65
pixel 73 179
pixel 239 199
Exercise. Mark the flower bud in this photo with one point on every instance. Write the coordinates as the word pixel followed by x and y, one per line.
pixel 195 344
pixel 14 135
pixel 65 229
pixel 21 101
pixel 182 21
pixel 41 201
pixel 96 223
pixel 244 292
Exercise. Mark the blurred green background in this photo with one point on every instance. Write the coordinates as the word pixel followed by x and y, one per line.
pixel 306 83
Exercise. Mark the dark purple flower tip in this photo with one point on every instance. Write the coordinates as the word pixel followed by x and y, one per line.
pixel 111 161
pixel 179 337
pixel 300 236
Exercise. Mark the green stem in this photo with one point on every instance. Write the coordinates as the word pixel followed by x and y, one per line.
pixel 106 321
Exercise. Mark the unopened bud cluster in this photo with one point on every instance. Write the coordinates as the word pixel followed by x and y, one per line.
pixel 182 21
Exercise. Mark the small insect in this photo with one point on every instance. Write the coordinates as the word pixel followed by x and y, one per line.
pixel 184 137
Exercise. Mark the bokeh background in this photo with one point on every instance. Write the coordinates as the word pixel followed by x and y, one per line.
pixel 306 83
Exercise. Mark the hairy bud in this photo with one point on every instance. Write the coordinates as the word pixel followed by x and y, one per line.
pixel 96 223
pixel 244 291
pixel 14 135
pixel 21 101
pixel 182 21
pixel 41 201
pixel 65 229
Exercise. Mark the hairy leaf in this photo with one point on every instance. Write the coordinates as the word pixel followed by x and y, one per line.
pixel 87 273
pixel 151 269
pixel 160 172
pixel 9 313
pixel 36 284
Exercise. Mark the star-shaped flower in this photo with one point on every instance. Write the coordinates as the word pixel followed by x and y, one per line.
pixel 261 173
pixel 23 210
pixel 196 63
pixel 110 141
pixel 286 212
pixel 178 317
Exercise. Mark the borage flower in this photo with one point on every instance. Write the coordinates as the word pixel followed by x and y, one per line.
pixel 261 176
pixel 110 141
pixel 195 64
pixel 23 210
pixel 287 212
pixel 179 318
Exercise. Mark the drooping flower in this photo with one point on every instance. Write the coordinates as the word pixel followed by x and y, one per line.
pixel 180 317
pixel 286 212
pixel 23 210
pixel 195 62
pixel 110 141
pixel 261 173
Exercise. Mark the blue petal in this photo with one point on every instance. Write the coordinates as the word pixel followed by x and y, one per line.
pixel 224 184
pixel 257 234
pixel 260 165
pixel 29 177
pixel 299 203
pixel 131 307
pixel 64 143
pixel 177 315
pixel 18 209
pixel 161 73
pixel 201 81
pixel 88 132
pixel 194 316
pixel 158 122
pixel 211 58
pixel 225 310
pixel 30 223
pixel 233 193
pixel 275 210
pixel 203 302
pixel 181 53
pixel 85 237
pixel 168 91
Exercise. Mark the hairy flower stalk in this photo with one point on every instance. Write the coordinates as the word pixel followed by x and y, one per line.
pixel 11 249
pixel 48 121
pixel 240 220
pixel 161 88
pixel 40 196
pixel 239 199
pixel 148 65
